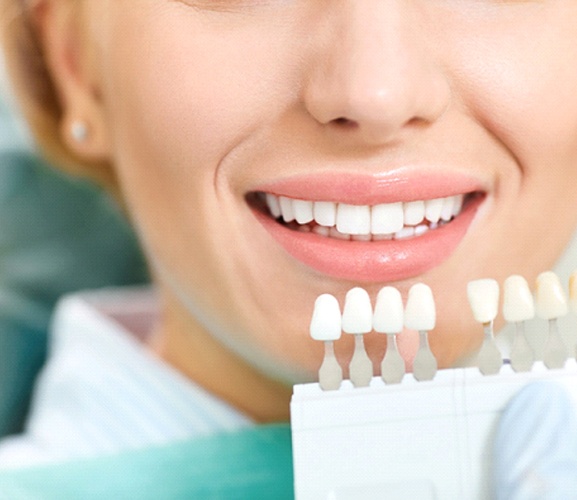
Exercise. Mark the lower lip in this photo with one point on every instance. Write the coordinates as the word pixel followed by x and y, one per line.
pixel 374 261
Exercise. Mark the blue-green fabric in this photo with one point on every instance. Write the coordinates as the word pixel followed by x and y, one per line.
pixel 251 464
pixel 57 235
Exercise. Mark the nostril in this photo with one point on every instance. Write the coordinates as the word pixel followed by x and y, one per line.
pixel 344 123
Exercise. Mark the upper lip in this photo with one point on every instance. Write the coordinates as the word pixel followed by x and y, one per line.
pixel 372 189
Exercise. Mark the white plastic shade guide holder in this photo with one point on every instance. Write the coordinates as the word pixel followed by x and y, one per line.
pixel 388 318
pixel 551 304
pixel 326 327
pixel 384 440
pixel 483 298
pixel 358 320
pixel 518 307
pixel 421 315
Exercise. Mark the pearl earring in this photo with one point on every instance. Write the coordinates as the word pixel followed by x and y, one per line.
pixel 79 131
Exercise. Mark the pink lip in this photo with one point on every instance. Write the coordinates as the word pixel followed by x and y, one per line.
pixel 357 189
pixel 375 261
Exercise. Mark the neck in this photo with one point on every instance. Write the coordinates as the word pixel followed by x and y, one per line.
pixel 192 350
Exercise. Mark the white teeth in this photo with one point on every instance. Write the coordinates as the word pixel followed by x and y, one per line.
pixel 420 312
pixel 325 213
pixel 303 211
pixel 388 315
pixel 361 237
pixel 383 237
pixel 406 232
pixel 484 299
pixel 326 320
pixel 457 204
pixel 414 212
pixel 358 312
pixel 353 219
pixel 286 206
pixel 518 302
pixel 387 218
pixel 335 233
pixel 422 229
pixel 384 221
pixel 321 231
pixel 550 300
pixel 448 207
pixel 273 205
pixel 433 209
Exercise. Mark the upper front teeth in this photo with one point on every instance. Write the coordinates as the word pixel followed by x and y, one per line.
pixel 353 219
pixel 359 220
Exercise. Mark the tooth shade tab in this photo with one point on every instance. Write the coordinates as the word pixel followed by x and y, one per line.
pixel 573 291
pixel 326 322
pixel 550 300
pixel 420 311
pixel 388 316
pixel 483 298
pixel 518 303
pixel 358 312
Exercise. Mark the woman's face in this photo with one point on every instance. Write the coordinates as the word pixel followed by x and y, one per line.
pixel 212 104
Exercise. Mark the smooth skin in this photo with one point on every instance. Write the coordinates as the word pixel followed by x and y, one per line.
pixel 196 103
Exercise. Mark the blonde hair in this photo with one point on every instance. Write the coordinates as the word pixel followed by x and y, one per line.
pixel 36 93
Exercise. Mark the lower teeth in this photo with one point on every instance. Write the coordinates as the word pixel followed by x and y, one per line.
pixel 332 232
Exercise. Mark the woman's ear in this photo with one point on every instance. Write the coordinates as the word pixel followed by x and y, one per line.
pixel 66 45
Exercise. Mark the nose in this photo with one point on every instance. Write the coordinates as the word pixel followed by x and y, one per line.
pixel 373 75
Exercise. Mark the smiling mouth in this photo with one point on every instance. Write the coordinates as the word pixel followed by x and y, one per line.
pixel 381 222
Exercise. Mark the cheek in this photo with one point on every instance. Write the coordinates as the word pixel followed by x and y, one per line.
pixel 178 116
pixel 193 88
pixel 178 111
pixel 513 77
